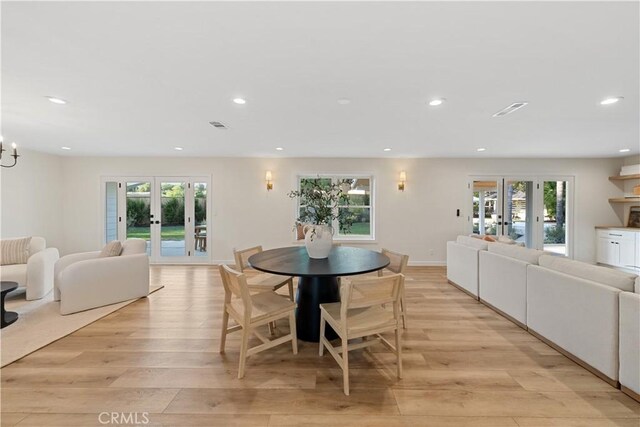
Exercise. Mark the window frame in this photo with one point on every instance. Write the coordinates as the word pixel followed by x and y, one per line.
pixel 371 237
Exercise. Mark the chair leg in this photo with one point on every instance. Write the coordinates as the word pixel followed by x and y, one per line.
pixel 345 365
pixel 294 333
pixel 243 351
pixel 291 296
pixel 225 326
pixel 403 311
pixel 399 352
pixel 322 324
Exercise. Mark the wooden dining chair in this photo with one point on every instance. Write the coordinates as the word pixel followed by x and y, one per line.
pixel 362 314
pixel 398 265
pixel 260 282
pixel 252 311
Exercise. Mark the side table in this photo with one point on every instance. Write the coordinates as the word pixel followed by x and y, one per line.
pixel 7 317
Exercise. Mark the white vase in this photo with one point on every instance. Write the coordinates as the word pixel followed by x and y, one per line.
pixel 318 239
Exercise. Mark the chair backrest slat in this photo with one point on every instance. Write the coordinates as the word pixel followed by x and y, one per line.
pixel 398 261
pixel 371 291
pixel 242 257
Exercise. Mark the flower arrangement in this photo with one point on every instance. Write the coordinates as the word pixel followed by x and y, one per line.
pixel 319 199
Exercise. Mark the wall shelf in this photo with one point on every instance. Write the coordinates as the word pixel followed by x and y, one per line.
pixel 625 200
pixel 624 177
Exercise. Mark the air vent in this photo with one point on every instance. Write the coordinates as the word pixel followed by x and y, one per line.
pixel 510 109
pixel 218 125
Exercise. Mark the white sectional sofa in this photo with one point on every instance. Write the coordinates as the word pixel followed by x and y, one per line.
pixel 503 279
pixel 37 274
pixel 86 280
pixel 574 307
pixel 630 342
pixel 589 313
pixel 463 261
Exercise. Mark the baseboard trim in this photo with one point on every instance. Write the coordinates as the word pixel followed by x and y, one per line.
pixel 427 264
pixel 585 365
pixel 463 290
pixel 632 394
pixel 505 315
pixel 223 261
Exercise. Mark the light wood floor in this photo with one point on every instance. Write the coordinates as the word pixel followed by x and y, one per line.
pixel 463 364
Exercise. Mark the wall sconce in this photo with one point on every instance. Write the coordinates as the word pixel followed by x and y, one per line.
pixel 269 181
pixel 403 179
pixel 15 154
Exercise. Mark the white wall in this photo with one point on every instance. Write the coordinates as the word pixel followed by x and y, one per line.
pixel 417 221
pixel 59 198
pixel 31 198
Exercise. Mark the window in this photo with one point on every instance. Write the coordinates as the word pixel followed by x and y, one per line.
pixel 359 212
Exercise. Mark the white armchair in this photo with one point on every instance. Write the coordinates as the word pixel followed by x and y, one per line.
pixel 37 274
pixel 86 280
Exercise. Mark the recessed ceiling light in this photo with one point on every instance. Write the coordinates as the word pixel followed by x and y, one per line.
pixel 66 148
pixel 387 149
pixel 344 101
pixel 279 148
pixel 611 100
pixel 56 100
pixel 436 102
pixel 240 101
pixel 178 148
pixel 480 150
pixel 624 150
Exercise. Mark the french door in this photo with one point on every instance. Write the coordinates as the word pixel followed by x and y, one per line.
pixel 170 213
pixel 533 210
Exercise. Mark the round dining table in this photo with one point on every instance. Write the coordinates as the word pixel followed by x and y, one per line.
pixel 318 279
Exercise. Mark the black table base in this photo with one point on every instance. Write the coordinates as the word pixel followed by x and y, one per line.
pixel 313 291
pixel 7 317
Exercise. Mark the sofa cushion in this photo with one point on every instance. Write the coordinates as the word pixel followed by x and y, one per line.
pixel 14 251
pixel 637 285
pixel 530 256
pixel 472 242
pixel 113 248
pixel 134 246
pixel 606 276
pixel 506 240
pixel 14 273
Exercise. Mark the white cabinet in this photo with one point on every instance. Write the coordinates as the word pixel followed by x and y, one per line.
pixel 627 249
pixel 607 252
pixel 618 248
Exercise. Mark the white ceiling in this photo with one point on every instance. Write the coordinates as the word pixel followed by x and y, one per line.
pixel 141 78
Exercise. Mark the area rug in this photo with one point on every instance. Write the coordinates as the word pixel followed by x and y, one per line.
pixel 40 323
